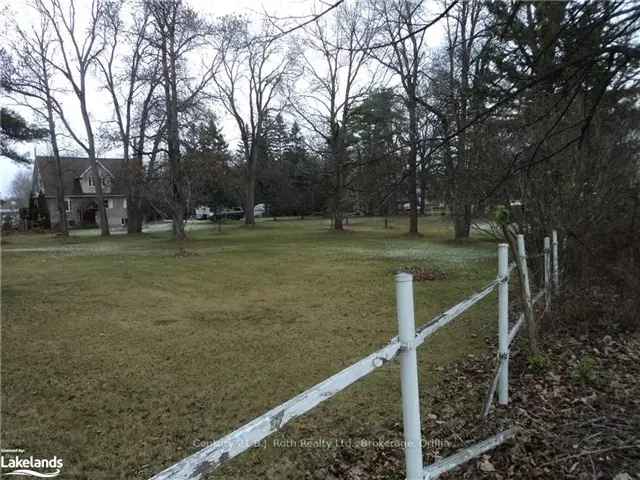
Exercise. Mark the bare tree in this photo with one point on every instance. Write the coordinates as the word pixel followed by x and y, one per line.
pixel 21 187
pixel 334 59
pixel 177 32
pixel 252 70
pixel 133 83
pixel 402 30
pixel 74 56
pixel 467 61
pixel 30 76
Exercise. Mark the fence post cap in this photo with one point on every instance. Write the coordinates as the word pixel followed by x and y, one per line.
pixel 403 277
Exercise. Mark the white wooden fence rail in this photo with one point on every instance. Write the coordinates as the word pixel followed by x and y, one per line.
pixel 204 461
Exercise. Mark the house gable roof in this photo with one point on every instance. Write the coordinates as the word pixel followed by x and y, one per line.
pixel 72 169
pixel 100 164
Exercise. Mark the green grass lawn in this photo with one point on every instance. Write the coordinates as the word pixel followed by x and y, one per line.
pixel 124 355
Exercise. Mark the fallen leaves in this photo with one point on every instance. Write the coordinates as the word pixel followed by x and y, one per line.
pixel 423 273
pixel 577 412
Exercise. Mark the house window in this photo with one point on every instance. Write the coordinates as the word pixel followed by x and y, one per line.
pixel 90 181
pixel 67 206
pixel 108 203
pixel 123 221
pixel 124 203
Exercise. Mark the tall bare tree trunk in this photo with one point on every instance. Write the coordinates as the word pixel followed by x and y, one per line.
pixel 250 197
pixel 168 53
pixel 60 203
pixel 135 172
pixel 413 163
pixel 338 214
pixel 423 190
pixel 462 209
pixel 134 210
pixel 134 196
pixel 95 171
pixel 461 212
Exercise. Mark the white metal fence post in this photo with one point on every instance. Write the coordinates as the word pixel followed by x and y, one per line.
pixel 409 377
pixel 556 277
pixel 503 324
pixel 547 273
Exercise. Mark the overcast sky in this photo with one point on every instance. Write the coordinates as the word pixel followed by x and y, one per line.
pixel 19 9
pixel 99 104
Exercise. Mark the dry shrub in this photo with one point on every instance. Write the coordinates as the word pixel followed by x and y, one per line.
pixel 604 274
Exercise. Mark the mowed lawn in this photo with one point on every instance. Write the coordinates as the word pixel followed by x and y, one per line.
pixel 124 355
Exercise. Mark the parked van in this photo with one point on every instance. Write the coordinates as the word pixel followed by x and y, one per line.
pixel 259 210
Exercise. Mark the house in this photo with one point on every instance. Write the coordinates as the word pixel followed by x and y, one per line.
pixel 80 189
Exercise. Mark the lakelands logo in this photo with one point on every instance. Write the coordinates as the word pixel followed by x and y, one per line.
pixel 18 464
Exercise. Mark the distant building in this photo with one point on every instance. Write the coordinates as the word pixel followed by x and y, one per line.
pixel 80 189
pixel 9 211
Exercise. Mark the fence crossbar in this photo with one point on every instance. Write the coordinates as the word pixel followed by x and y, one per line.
pixel 536 298
pixel 209 458
pixel 492 388
pixel 462 456
pixel 514 330
pixel 444 318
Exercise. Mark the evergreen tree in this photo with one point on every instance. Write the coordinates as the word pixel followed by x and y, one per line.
pixel 15 129
pixel 304 173
pixel 38 212
pixel 376 125
pixel 206 165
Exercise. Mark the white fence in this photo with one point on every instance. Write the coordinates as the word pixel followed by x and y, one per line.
pixel 403 346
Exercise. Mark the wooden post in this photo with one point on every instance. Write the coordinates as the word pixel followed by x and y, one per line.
pixel 522 258
pixel 409 377
pixel 547 273
pixel 556 275
pixel 526 290
pixel 503 324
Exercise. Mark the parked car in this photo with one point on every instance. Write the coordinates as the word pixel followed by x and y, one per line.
pixel 227 214
pixel 259 210
pixel 203 212
pixel 236 213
